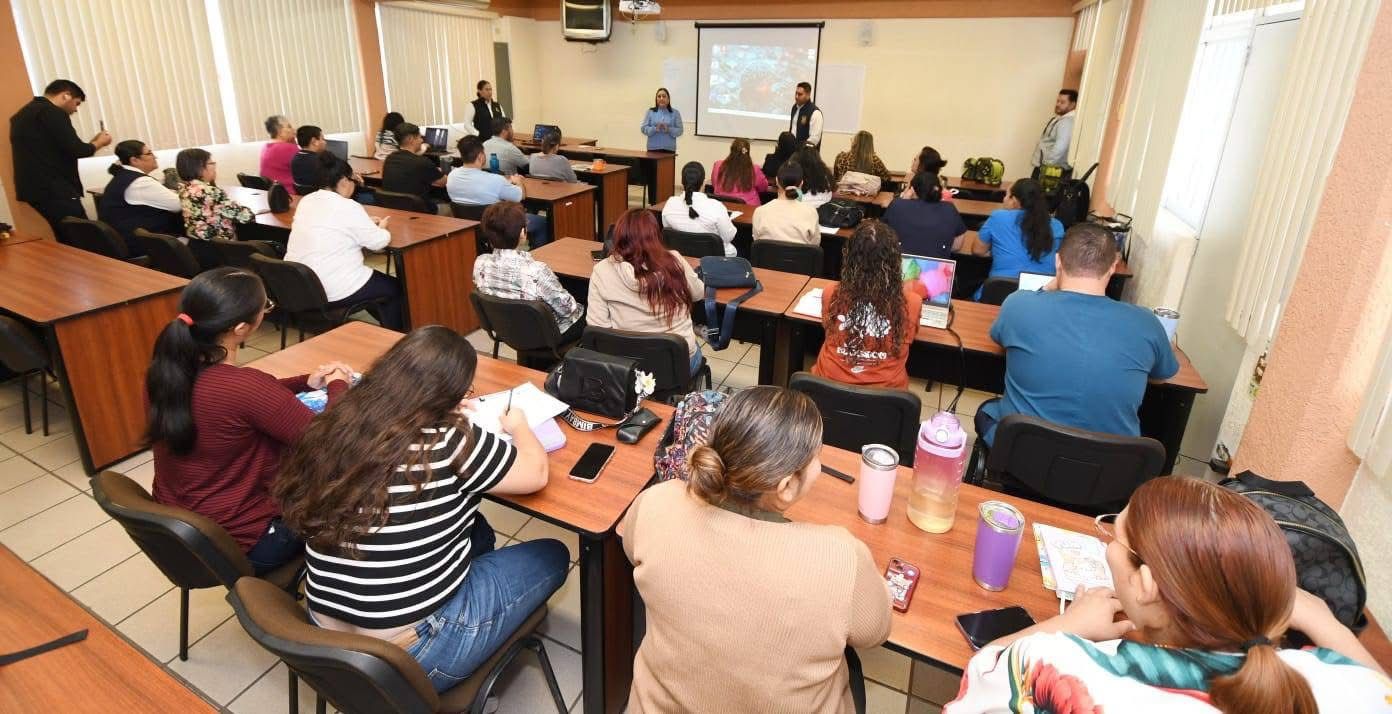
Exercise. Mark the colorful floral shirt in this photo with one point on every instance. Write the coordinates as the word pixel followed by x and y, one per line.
pixel 1064 674
pixel 209 213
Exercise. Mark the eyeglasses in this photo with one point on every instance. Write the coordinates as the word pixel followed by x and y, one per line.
pixel 148 154
pixel 270 306
pixel 1106 526
pixel 470 394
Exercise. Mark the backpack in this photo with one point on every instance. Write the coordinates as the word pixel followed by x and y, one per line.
pixel 985 170
pixel 840 213
pixel 1074 199
pixel 718 271
pixel 859 184
pixel 1326 559
pixel 688 429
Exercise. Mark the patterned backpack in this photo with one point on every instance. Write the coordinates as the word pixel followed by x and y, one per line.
pixel 1326 559
pixel 689 428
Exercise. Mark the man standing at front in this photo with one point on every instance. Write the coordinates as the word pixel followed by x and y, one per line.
pixel 1052 149
pixel 46 149
pixel 483 112
pixel 806 119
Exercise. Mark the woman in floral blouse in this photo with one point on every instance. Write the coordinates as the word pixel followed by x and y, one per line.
pixel 208 212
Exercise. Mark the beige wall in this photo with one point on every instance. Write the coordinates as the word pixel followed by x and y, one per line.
pixel 968 87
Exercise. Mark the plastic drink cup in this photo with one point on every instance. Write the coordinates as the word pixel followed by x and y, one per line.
pixel 998 532
pixel 879 465
pixel 1169 319
pixel 939 464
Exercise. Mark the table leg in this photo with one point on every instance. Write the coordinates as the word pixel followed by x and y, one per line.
pixel 787 353
pixel 573 217
pixel 606 623
pixel 666 172
pixel 1164 416
pixel 613 199
pixel 437 277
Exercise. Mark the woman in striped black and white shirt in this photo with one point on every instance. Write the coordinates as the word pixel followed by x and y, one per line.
pixel 385 488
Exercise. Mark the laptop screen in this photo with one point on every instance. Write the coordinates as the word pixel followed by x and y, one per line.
pixel 437 137
pixel 338 148
pixel 934 277
pixel 539 132
pixel 1034 281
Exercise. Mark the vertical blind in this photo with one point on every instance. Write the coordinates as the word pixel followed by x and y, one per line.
pixel 432 61
pixel 295 58
pixel 1300 148
pixel 145 66
pixel 1099 81
pixel 1083 26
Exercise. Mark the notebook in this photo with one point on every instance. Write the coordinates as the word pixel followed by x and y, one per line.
pixel 935 276
pixel 1072 559
pixel 541 409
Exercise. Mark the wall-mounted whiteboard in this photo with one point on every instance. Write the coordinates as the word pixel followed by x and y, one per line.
pixel 679 77
pixel 839 94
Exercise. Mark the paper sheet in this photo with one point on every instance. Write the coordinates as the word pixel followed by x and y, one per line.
pixel 1075 559
pixel 735 214
pixel 828 230
pixel 810 304
pixel 538 406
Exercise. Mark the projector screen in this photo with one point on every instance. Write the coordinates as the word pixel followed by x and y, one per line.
pixel 746 76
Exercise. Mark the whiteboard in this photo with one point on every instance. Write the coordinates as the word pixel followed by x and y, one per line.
pixel 839 94
pixel 679 77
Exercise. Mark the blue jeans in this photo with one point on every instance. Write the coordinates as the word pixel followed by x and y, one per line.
pixel 277 546
pixel 538 231
pixel 503 587
pixel 987 415
pixel 696 360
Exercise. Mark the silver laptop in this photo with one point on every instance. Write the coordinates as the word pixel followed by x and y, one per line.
pixel 935 277
pixel 1034 281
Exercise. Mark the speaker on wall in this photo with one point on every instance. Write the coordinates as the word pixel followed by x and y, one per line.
pixel 586 20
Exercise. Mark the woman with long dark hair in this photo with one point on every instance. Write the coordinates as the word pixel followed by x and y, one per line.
pixel 644 287
pixel 1206 581
pixel 386 143
pixel 736 177
pixel 871 316
pixel 218 430
pixel 782 151
pixel 817 184
pixel 135 199
pixel 928 160
pixel 926 224
pixel 1023 235
pixel 662 124
pixel 695 212
pixel 385 488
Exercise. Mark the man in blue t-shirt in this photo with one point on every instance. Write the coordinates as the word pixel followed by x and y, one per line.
pixel 1074 356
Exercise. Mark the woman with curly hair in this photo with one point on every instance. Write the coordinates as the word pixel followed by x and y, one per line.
pixel 736 177
pixel 871 317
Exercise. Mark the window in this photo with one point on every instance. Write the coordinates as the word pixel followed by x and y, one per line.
pixel 432 61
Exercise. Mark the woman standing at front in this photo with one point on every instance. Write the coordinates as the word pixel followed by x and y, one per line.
pixel 662 124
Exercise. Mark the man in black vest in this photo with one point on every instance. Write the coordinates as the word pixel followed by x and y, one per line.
pixel 806 119
pixel 46 149
pixel 484 111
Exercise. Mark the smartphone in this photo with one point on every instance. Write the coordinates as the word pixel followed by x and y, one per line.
pixel 598 255
pixel 592 462
pixel 903 580
pixel 980 628
pixel 101 125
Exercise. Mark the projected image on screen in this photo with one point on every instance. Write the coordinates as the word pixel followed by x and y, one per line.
pixel 757 80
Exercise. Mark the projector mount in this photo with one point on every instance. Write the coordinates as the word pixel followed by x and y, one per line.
pixel 635 10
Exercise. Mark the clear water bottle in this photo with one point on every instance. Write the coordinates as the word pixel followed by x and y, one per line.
pixel 493 164
pixel 939 463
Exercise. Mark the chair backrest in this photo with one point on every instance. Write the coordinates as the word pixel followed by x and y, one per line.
pixel 996 290
pixel 727 199
pixel 693 245
pixel 1077 468
pixel 356 673
pixel 403 202
pixel 305 189
pixel 524 325
pixel 787 256
pixel 237 253
pixel 205 253
pixel 468 212
pixel 93 236
pixel 191 550
pixel 20 350
pixel 294 287
pixel 168 254
pixel 854 416
pixel 666 357
pixel 254 181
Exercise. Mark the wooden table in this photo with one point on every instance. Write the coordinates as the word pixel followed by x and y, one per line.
pixel 100 673
pixel 434 257
pixel 527 140
pixel 100 317
pixel 570 260
pixel 590 510
pixel 611 190
pixel 657 170
pixel 966 189
pixel 1164 411
pixel 17 238
pixel 570 207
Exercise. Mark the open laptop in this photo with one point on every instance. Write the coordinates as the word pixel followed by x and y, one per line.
pixel 539 131
pixel 1034 281
pixel 437 138
pixel 337 148
pixel 935 277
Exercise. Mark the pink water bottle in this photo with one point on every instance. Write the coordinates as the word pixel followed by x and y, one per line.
pixel 939 464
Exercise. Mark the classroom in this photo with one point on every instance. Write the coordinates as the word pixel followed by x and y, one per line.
pixel 888 356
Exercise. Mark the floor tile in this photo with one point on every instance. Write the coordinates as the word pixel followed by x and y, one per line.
pixel 752 356
pixel 144 475
pixel 122 590
pixel 76 476
pixel 919 706
pixel 10 393
pixel 35 495
pixel 55 454
pixel 20 442
pixel 249 354
pixel 271 693
pixel 225 662
pixel 537 528
pixel 17 470
pixel 886 667
pixel 733 353
pixel 125 466
pixel 971 399
pixel 86 556
pixel 5 452
pixel 880 699
pixel 155 627
pixel 505 520
pixel 49 529
pixel 563 612
pixel 934 684
pixel 741 376
pixel 522 688
pixel 720 369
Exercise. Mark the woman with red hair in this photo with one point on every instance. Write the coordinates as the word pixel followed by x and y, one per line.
pixel 1207 585
pixel 643 287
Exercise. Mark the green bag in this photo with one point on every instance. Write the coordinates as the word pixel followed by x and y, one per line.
pixel 985 169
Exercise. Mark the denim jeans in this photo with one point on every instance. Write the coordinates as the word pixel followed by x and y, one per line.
pixel 696 360
pixel 538 231
pixel 986 418
pixel 277 546
pixel 503 587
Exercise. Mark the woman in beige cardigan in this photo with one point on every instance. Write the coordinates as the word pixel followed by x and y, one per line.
pixel 643 287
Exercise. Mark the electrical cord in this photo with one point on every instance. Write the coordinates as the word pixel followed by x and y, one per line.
pixel 962 354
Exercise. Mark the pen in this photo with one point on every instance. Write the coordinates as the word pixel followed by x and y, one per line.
pixel 833 472
pixel 509 404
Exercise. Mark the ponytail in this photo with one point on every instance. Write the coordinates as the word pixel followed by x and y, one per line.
pixel 125 152
pixel 693 177
pixel 928 187
pixel 690 209
pixel 1036 223
pixel 1263 683
pixel 790 179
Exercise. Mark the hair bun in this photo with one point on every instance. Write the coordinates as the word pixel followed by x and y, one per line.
pixel 706 474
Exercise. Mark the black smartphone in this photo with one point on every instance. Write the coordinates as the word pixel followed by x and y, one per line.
pixel 592 462
pixel 980 628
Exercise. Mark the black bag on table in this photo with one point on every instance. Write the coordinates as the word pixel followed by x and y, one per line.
pixel 595 382
pixel 721 272
pixel 1074 199
pixel 840 213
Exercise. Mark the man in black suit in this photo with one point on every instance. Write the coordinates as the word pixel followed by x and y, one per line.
pixel 46 149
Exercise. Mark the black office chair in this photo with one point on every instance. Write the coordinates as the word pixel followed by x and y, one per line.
pixel 168 254
pixel 1083 471
pixel 693 245
pixel 305 190
pixel 972 271
pixel 473 213
pixel 191 550
pixel 787 256
pixel 727 199
pixel 254 181
pixel 527 326
pixel 666 357
pixel 358 673
pixel 22 352
pixel 97 237
pixel 238 253
pixel 854 416
pixel 205 253
pixel 404 202
pixel 995 290
pixel 300 299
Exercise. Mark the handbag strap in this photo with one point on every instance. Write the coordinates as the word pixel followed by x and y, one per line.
pixel 13 657
pixel 718 336
pixel 580 423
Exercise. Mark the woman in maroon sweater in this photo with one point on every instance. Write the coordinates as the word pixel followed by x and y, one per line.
pixel 217 429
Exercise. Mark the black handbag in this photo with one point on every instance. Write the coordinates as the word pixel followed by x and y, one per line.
pixel 595 382
pixel 840 213
pixel 721 272
pixel 278 199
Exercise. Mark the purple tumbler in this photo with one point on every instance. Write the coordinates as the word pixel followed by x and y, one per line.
pixel 998 534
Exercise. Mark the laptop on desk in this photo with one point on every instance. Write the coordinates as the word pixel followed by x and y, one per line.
pixel 539 131
pixel 338 148
pixel 1034 281
pixel 935 277
pixel 437 139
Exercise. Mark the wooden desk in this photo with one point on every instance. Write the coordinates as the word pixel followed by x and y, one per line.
pixel 100 318
pixel 966 189
pixel 656 169
pixel 100 673
pixel 434 256
pixel 17 238
pixel 569 206
pixel 526 140
pixel 972 240
pixel 1164 412
pixel 611 189
pixel 591 510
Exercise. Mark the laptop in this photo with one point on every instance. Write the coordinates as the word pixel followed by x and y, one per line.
pixel 1034 281
pixel 437 137
pixel 935 276
pixel 539 131
pixel 337 148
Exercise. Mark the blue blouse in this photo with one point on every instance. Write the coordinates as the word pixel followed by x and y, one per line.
pixel 662 139
pixel 1009 256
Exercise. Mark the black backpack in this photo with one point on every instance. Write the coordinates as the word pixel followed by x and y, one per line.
pixel 840 213
pixel 1072 202
pixel 1326 559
